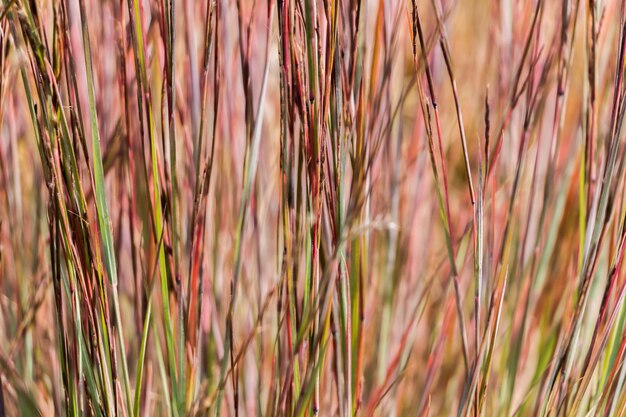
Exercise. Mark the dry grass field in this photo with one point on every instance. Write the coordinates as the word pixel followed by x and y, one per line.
pixel 312 208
